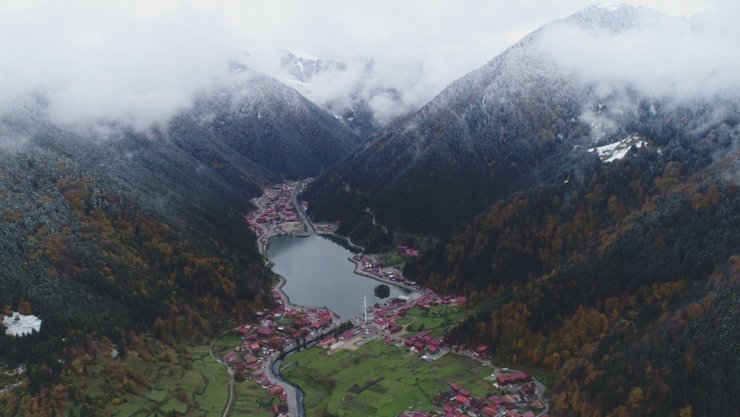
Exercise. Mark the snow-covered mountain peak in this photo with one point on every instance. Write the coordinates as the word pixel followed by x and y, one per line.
pixel 613 16
pixel 303 66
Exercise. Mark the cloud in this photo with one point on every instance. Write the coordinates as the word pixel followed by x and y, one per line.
pixel 139 61
pixel 94 62
pixel 662 55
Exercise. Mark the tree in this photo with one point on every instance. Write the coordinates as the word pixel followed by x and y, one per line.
pixel 636 396
pixel 382 291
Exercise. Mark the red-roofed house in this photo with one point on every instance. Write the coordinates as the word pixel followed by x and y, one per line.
pixel 276 390
pixel 349 334
pixel 490 410
pixel 265 332
pixel 276 342
pixel 481 351
pixel 230 357
pixel 327 341
pixel 463 400
pixel 243 330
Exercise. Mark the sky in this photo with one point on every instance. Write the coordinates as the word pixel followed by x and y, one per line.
pixel 139 61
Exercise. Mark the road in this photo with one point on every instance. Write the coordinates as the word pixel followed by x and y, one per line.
pixel 369 210
pixel 299 209
pixel 293 393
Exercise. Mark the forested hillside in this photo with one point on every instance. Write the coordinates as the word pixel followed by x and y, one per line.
pixel 113 236
pixel 113 232
pixel 624 283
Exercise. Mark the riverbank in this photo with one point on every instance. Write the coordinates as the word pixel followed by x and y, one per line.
pixel 388 320
pixel 358 270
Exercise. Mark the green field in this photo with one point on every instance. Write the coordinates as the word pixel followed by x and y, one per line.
pixel 392 259
pixel 252 400
pixel 437 319
pixel 379 380
pixel 189 382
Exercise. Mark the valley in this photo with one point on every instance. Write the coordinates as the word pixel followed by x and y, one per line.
pixel 488 209
pixel 408 330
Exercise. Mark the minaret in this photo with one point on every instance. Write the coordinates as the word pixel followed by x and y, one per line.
pixel 364 308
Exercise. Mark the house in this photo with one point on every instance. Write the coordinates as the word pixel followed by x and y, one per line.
pixel 276 390
pixel 276 342
pixel 349 334
pixel 265 332
pixel 481 351
pixel 327 341
pixel 490 410
pixel 243 330
pixel 464 392
pixel 463 400
pixel 230 357
pixel 516 377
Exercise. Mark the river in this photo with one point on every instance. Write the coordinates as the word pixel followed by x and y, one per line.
pixel 318 273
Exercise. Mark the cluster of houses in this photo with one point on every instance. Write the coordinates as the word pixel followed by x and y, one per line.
pixel 274 209
pixel 276 329
pixel 407 251
pixel 275 206
pixel 431 299
pixel 456 401
pixel 422 341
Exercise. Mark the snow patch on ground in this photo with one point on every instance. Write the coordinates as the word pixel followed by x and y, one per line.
pixel 19 325
pixel 618 150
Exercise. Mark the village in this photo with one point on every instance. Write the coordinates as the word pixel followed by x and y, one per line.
pixel 287 327
pixel 275 214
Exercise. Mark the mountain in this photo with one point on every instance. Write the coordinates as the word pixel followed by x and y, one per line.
pixel 506 127
pixel 593 225
pixel 272 124
pixel 363 102
pixel 303 67
pixel 109 235
pixel 623 285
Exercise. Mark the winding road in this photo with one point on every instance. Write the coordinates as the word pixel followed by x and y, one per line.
pixel 293 392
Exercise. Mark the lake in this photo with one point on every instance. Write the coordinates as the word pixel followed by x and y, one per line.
pixel 318 274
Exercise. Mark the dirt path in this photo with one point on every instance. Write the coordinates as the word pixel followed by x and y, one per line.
pixel 230 401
